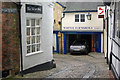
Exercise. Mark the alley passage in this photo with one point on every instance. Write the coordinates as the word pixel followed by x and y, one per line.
pixel 76 66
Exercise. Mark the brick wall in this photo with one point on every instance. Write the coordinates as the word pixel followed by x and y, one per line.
pixel 10 39
pixel 0 38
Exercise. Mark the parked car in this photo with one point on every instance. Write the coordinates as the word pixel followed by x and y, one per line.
pixel 79 47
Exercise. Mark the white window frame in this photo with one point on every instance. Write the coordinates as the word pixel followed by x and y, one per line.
pixel 35 44
pixel 80 18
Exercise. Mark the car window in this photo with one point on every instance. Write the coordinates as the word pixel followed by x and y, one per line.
pixel 79 43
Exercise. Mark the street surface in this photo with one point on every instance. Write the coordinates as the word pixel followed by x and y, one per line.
pixel 76 66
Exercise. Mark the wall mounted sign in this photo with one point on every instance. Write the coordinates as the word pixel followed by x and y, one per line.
pixel 101 11
pixel 82 28
pixel 7 10
pixel 33 9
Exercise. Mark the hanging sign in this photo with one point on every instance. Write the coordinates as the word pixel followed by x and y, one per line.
pixel 33 9
pixel 101 11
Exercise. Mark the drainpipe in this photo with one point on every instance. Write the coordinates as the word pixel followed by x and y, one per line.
pixel 107 36
pixel 61 30
pixel 20 36
pixel 103 33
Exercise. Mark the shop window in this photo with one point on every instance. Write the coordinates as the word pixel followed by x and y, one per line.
pixel 82 17
pixel 76 17
pixel 33 35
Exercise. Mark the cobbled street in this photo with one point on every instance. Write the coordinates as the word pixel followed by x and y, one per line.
pixel 76 66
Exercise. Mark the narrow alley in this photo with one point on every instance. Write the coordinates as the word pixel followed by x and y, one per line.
pixel 76 66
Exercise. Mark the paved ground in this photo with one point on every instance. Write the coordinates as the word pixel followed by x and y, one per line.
pixel 76 66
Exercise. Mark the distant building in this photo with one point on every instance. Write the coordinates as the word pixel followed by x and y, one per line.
pixel 26 29
pixel 112 26
pixel 80 21
pixel 58 12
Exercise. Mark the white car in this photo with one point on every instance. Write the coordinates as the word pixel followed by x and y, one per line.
pixel 79 47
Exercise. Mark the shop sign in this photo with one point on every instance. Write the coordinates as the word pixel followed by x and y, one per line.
pixel 33 9
pixel 8 10
pixel 101 11
pixel 80 28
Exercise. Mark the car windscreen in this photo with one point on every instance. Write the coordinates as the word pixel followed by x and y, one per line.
pixel 79 43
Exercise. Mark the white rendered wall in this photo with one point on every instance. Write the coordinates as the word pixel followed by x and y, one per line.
pixel 46 36
pixel 95 22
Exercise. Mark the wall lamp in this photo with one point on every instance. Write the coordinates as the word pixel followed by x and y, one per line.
pixel 89 16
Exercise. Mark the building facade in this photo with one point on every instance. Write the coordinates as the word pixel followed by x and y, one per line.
pixel 113 36
pixel 58 10
pixel 26 29
pixel 80 21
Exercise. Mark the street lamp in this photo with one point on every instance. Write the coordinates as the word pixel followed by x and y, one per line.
pixel 88 16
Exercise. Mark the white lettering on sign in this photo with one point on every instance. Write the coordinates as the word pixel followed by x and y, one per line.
pixel 101 10
pixel 80 28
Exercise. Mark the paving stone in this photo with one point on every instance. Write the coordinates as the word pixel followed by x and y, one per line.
pixel 76 66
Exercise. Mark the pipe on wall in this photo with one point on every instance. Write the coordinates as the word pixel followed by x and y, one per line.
pixel 20 36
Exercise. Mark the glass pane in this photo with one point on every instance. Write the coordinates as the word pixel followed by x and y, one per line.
pixel 82 20
pixel 33 39
pixel 32 22
pixel 27 22
pixel 33 31
pixel 28 31
pixel 28 49
pixel 77 16
pixel 82 16
pixel 76 20
pixel 33 48
pixel 38 47
pixel 38 22
pixel 38 30
pixel 28 40
pixel 38 39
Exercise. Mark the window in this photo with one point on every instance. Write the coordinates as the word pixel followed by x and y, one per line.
pixel 77 18
pixel 117 20
pixel 33 35
pixel 82 17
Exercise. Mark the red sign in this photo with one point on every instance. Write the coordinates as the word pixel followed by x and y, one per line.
pixel 101 12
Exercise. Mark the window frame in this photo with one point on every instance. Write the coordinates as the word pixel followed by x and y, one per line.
pixel 34 35
pixel 77 18
pixel 80 18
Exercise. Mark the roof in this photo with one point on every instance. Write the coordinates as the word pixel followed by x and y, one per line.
pixel 62 4
pixel 82 6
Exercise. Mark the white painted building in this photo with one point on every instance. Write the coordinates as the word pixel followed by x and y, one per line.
pixel 37 29
pixel 77 24
pixel 113 36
